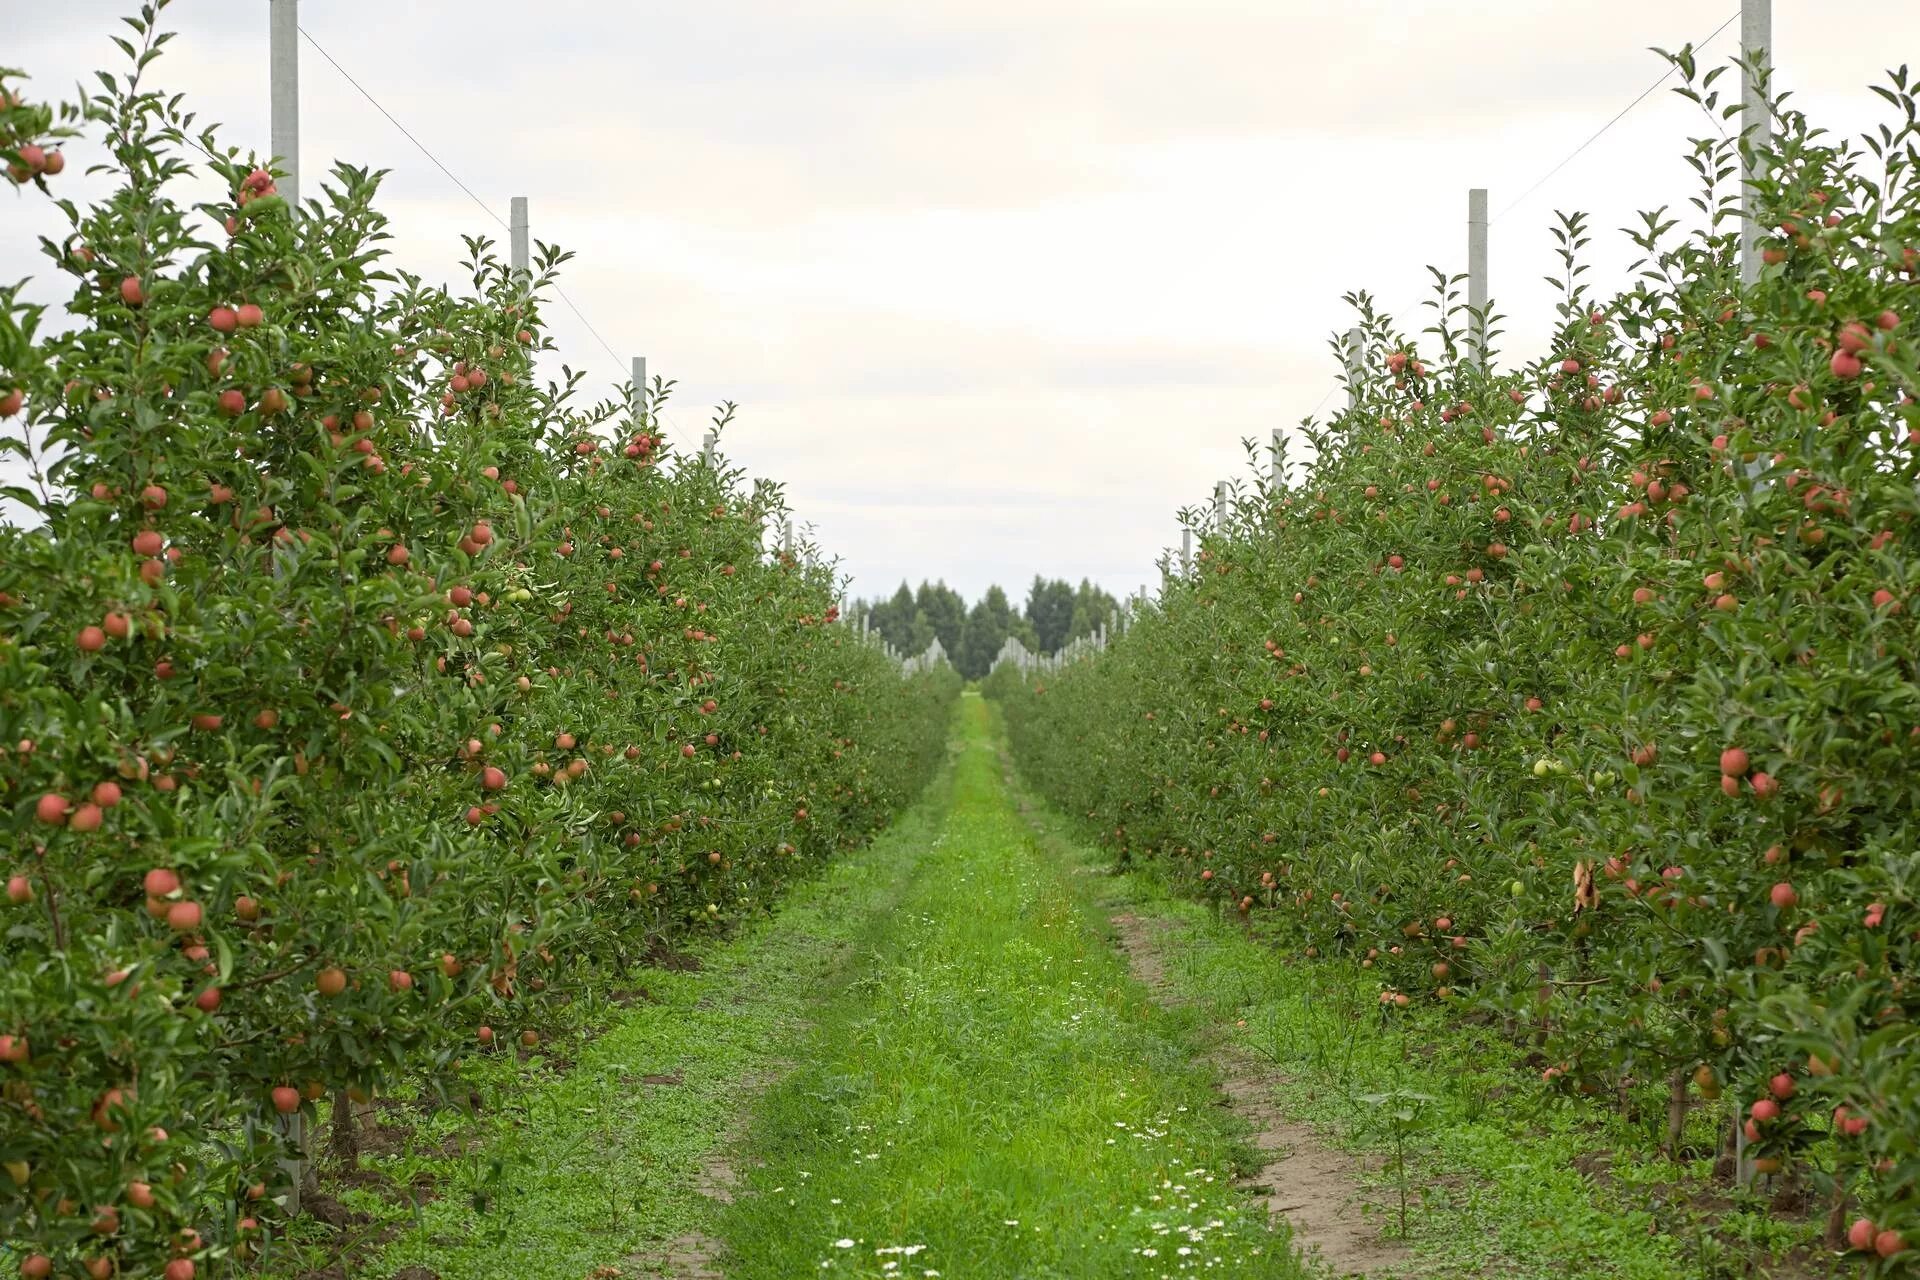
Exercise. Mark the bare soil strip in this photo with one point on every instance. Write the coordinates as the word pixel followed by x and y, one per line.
pixel 694 1255
pixel 1314 1186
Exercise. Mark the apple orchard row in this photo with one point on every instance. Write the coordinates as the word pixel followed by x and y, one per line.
pixel 1585 698
pixel 365 701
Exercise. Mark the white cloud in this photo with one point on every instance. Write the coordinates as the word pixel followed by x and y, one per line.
pixel 999 284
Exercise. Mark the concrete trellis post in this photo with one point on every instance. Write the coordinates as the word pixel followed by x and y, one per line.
pixel 638 404
pixel 283 29
pixel 293 1129
pixel 1756 45
pixel 1477 276
pixel 707 442
pixel 1186 551
pixel 786 540
pixel 1219 505
pixel 1356 353
pixel 1278 477
pixel 519 245
pixel 1744 1173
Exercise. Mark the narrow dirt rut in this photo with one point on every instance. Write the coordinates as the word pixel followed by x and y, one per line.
pixel 1314 1186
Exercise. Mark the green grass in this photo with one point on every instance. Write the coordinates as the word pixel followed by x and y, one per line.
pixel 987 1093
pixel 1496 1165
pixel 967 1082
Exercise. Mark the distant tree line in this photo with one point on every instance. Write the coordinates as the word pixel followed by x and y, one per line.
pixel 1055 613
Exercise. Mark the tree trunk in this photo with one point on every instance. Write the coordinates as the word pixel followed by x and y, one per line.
pixel 344 1142
pixel 1676 1111
pixel 1836 1237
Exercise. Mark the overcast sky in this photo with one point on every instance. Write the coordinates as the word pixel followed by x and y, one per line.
pixel 999 286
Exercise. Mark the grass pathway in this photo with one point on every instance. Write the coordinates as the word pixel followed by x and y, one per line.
pixel 988 1093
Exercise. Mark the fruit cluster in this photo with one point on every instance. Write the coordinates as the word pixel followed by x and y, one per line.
pixel 1587 696
pixel 362 700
